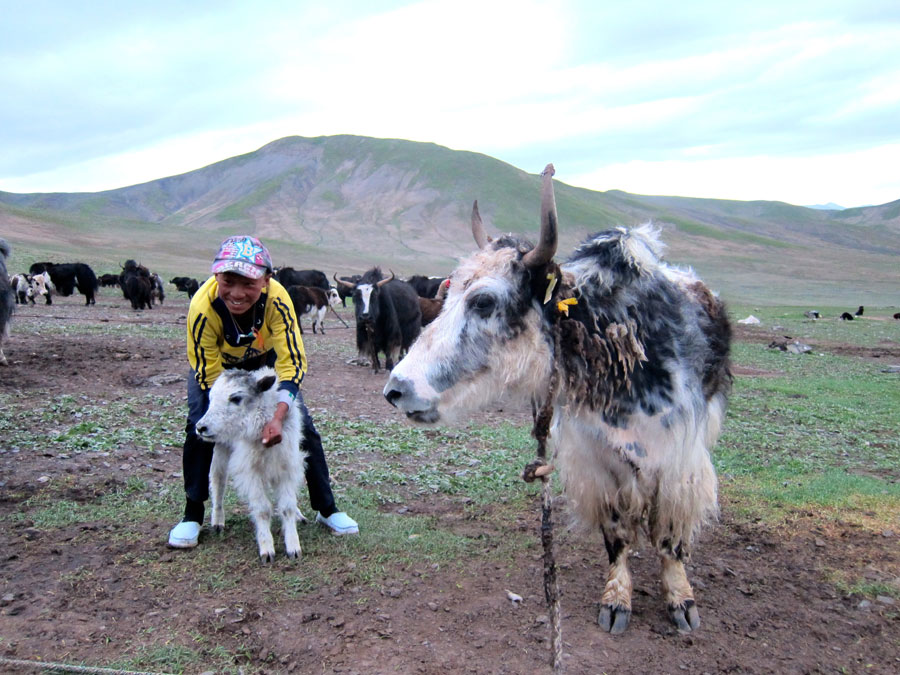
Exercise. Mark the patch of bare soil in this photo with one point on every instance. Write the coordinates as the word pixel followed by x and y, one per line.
pixel 82 593
pixel 882 353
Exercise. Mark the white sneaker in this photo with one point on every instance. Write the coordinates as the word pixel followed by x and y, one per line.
pixel 339 523
pixel 185 534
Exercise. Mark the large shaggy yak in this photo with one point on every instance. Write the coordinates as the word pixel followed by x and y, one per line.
pixel 630 357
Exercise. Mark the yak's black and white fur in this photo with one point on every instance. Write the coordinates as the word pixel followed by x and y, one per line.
pixel 637 359
pixel 388 316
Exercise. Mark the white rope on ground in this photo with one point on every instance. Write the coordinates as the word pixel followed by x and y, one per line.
pixel 70 668
pixel 92 319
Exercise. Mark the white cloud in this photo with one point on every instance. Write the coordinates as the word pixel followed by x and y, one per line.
pixel 797 180
pixel 100 96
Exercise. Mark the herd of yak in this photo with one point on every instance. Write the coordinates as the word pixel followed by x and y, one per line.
pixel 389 312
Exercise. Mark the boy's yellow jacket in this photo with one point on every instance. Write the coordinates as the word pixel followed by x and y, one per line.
pixel 215 341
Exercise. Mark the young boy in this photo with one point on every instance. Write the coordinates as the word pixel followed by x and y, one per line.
pixel 243 318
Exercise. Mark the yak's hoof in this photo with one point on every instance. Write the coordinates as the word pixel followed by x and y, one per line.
pixel 614 618
pixel 685 616
pixel 267 558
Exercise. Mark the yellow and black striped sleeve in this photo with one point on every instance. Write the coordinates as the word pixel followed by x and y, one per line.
pixel 203 330
pixel 284 338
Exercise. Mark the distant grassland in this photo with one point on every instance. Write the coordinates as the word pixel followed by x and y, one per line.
pixel 347 203
pixel 819 430
pixel 876 326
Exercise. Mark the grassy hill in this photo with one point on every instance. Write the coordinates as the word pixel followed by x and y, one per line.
pixel 345 203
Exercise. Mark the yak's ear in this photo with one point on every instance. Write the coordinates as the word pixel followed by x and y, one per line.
pixel 265 383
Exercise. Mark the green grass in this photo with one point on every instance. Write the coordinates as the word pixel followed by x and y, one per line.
pixel 816 431
pixel 171 331
pixel 862 587
pixel 393 461
pixel 174 658
pixel 73 425
pixel 47 510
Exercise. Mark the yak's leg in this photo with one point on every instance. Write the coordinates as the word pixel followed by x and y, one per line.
pixel 320 320
pixel 615 607
pixel 679 594
pixel 218 474
pixel 392 357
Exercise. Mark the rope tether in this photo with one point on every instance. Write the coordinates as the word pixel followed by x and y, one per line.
pixel 541 469
pixel 49 666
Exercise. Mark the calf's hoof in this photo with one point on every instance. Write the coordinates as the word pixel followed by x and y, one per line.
pixel 294 555
pixel 267 558
pixel 614 618
pixel 218 529
pixel 685 616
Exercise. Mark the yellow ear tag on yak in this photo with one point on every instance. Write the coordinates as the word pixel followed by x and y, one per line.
pixel 551 277
pixel 563 305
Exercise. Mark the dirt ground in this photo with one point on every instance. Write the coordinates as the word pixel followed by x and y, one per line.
pixel 765 602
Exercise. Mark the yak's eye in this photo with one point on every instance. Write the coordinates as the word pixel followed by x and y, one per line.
pixel 235 398
pixel 483 304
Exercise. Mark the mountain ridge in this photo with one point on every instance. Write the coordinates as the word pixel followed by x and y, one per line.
pixel 349 202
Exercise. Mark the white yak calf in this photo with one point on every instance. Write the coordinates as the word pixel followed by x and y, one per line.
pixel 240 405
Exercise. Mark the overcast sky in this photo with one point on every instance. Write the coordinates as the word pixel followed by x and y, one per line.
pixel 771 99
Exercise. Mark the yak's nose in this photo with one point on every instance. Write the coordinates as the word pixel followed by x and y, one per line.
pixel 396 388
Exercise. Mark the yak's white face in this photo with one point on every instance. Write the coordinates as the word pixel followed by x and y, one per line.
pixel 41 282
pixel 486 344
pixel 334 298
pixel 365 298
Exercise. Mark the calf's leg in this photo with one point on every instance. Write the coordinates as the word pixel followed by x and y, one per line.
pixel 261 513
pixel 218 474
pixel 319 320
pixel 287 510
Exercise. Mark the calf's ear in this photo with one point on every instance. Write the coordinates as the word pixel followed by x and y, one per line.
pixel 265 383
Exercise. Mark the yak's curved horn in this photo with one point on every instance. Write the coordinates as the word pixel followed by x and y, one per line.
pixel 478 227
pixel 384 281
pixel 546 248
pixel 342 282
pixel 442 290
